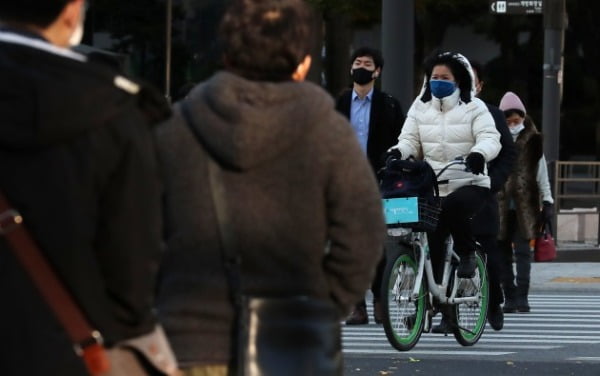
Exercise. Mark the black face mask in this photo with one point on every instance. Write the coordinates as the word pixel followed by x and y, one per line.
pixel 362 76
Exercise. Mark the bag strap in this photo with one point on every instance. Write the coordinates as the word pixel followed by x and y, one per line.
pixel 87 341
pixel 231 258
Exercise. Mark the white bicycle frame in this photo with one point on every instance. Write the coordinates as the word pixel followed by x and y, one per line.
pixel 425 268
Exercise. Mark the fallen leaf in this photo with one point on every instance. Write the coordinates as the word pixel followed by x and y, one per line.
pixel 413 360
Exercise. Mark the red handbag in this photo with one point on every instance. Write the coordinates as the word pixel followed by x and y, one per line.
pixel 545 248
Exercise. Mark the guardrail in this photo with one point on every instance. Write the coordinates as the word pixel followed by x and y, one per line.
pixel 577 185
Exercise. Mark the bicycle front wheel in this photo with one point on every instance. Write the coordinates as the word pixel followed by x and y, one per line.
pixel 404 315
pixel 470 317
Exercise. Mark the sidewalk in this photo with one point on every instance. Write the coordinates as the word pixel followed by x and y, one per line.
pixel 565 276
pixel 577 252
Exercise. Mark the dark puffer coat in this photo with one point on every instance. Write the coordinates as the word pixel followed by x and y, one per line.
pixel 305 207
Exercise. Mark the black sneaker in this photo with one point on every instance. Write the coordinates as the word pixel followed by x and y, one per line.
pixel 509 306
pixel 522 304
pixel 496 317
pixel 358 316
pixel 443 327
pixel 467 265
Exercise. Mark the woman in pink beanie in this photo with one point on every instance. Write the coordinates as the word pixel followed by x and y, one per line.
pixel 519 203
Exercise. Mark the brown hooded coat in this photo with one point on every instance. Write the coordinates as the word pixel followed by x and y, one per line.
pixel 522 186
pixel 306 206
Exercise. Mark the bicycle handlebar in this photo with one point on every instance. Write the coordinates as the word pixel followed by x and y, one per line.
pixel 457 161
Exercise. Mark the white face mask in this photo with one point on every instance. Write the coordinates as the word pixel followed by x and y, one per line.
pixel 77 35
pixel 516 129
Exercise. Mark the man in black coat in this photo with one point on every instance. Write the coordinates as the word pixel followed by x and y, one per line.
pixel 486 222
pixel 377 119
pixel 78 162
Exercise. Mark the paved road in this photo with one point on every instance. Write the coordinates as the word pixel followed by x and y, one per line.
pixel 560 336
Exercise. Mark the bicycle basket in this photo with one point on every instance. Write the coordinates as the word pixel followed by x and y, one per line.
pixel 408 178
pixel 416 213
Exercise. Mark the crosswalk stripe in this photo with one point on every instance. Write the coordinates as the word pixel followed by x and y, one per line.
pixel 429 352
pixel 555 321
pixel 538 296
pixel 586 358
pixel 493 335
pixel 371 345
pixel 489 331
pixel 553 310
pixel 483 340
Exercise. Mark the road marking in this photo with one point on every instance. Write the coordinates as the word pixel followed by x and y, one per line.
pixel 572 312
pixel 489 331
pixel 586 358
pixel 428 352
pixel 537 296
pixel 556 322
pixel 483 339
pixel 557 325
pixel 542 315
pixel 546 319
pixel 563 304
pixel 576 279
pixel 489 335
pixel 439 345
pixel 561 300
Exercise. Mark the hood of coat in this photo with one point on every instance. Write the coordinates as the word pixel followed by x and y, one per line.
pixel 51 94
pixel 462 70
pixel 244 123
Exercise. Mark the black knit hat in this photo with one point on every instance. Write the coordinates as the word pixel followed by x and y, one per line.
pixel 461 69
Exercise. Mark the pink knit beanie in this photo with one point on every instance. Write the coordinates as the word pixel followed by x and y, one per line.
pixel 510 101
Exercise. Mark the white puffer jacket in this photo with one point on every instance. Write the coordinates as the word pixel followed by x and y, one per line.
pixel 441 130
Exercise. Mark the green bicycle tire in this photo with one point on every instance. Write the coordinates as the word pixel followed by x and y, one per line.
pixel 470 318
pixel 403 319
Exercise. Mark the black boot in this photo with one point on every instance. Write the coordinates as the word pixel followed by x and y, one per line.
pixel 510 302
pixel 359 315
pixel 496 317
pixel 467 265
pixel 522 303
pixel 443 327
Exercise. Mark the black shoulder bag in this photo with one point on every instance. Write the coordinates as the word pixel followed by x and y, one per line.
pixel 292 336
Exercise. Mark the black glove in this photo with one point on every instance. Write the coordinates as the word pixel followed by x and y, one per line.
pixel 392 154
pixel 547 211
pixel 475 163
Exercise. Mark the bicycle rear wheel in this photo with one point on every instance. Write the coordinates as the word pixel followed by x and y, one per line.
pixel 403 316
pixel 470 317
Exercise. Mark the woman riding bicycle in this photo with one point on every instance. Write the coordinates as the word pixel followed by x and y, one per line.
pixel 446 121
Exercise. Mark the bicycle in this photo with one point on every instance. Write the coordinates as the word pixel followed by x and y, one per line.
pixel 410 294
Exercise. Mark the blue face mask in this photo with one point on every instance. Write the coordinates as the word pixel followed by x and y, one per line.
pixel 441 88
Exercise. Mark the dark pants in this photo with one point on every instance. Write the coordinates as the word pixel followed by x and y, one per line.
pixel 455 219
pixel 377 280
pixel 522 256
pixel 495 264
